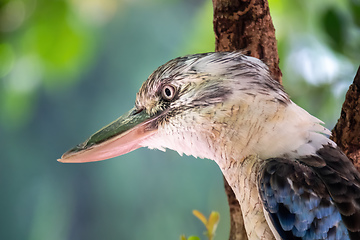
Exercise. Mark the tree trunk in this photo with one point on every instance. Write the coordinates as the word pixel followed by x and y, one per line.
pixel 246 25
pixel 346 132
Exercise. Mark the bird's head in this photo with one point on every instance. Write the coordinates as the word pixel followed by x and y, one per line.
pixel 197 105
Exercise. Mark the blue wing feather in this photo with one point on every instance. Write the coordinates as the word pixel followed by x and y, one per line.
pixel 298 202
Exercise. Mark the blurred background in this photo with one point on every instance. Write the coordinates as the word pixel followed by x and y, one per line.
pixel 69 67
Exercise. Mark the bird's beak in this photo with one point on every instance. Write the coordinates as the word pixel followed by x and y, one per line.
pixel 119 137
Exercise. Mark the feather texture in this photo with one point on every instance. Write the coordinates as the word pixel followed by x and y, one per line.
pixel 297 201
pixel 229 109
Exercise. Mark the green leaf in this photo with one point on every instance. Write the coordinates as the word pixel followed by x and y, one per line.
pixel 355 9
pixel 335 25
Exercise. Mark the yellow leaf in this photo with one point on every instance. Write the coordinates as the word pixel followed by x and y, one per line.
pixel 213 222
pixel 200 216
pixel 193 238
pixel 182 237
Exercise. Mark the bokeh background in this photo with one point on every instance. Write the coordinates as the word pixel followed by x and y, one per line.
pixel 68 67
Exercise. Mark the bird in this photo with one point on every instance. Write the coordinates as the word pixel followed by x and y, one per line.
pixel 291 180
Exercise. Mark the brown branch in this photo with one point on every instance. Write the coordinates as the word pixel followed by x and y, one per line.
pixel 346 132
pixel 245 25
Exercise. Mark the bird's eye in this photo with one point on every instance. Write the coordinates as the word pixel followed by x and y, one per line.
pixel 168 92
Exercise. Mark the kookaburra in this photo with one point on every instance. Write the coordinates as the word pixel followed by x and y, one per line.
pixel 291 180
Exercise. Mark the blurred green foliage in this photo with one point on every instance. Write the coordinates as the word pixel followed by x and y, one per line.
pixel 318 46
pixel 43 44
pixel 68 67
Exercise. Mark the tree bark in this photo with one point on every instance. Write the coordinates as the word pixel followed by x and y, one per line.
pixel 346 132
pixel 245 25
